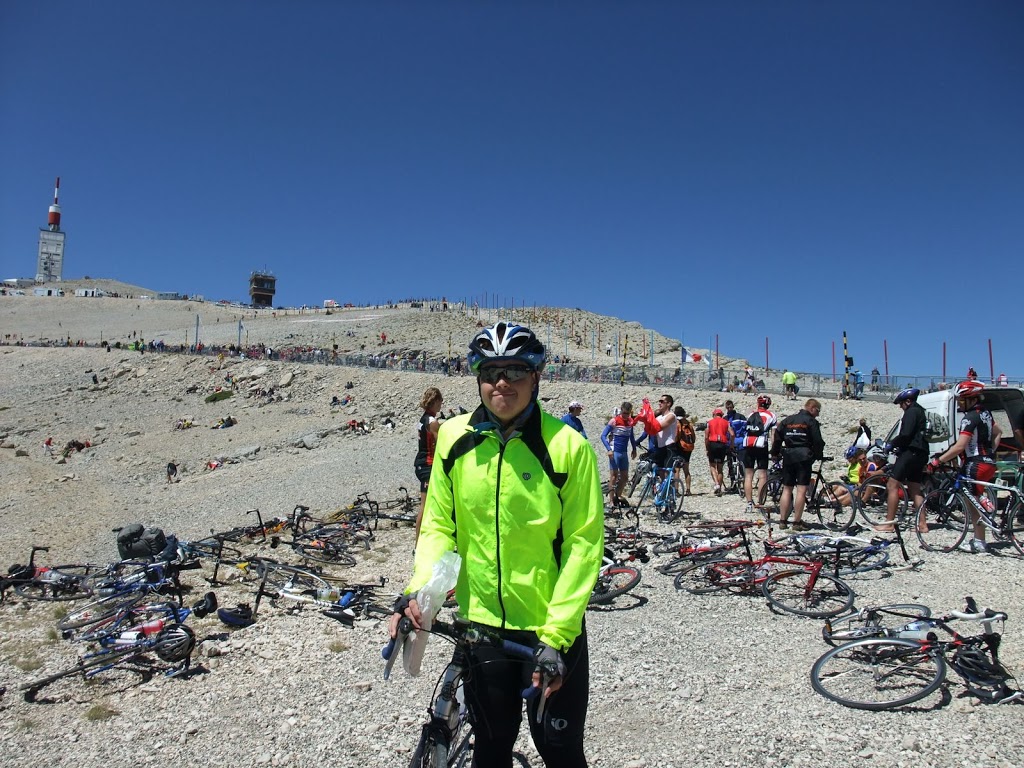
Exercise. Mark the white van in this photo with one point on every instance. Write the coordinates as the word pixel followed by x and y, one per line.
pixel 1005 403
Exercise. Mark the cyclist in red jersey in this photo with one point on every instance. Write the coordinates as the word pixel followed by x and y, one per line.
pixel 979 436
pixel 718 436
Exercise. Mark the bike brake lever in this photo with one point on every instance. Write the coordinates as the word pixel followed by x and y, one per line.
pixel 534 691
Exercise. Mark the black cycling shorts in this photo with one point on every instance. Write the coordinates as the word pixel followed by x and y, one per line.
pixel 755 458
pixel 797 472
pixel 909 466
pixel 717 452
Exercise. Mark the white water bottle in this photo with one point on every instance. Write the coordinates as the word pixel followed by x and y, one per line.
pixel 430 599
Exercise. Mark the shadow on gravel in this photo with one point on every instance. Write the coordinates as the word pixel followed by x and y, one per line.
pixel 623 603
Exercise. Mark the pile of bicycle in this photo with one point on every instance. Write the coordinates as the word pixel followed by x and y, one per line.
pixel 886 656
pixel 134 612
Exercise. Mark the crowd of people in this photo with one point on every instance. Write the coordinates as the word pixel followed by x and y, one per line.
pixel 516 492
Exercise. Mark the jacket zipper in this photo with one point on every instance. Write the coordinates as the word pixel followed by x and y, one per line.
pixel 497 528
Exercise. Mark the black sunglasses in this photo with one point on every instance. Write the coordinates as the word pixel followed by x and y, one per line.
pixel 509 374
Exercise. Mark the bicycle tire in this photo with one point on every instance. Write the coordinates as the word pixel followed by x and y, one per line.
pixel 668 545
pixel 211 549
pixel 281 576
pixel 857 626
pixel 614 582
pixel 643 466
pixel 877 673
pixel 770 491
pixel 326 551
pixel 830 510
pixel 946 519
pixel 791 592
pixel 431 750
pixel 648 490
pixel 1013 525
pixel 101 610
pixel 59 583
pixel 873 500
pixel 862 560
pixel 114 656
pixel 714 575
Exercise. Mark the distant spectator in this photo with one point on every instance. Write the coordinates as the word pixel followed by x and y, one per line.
pixel 572 418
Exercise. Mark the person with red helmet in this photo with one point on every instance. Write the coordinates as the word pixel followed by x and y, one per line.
pixel 979 436
pixel 755 446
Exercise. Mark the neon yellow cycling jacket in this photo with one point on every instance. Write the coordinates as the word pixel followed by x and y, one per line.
pixel 527 517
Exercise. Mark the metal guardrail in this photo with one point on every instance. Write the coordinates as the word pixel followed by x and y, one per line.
pixel 691 377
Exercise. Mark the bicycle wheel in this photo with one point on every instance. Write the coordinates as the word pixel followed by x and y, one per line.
pixel 770 492
pixel 330 551
pixel 946 521
pixel 831 510
pixel 872 623
pixel 643 467
pixel 102 610
pixel 649 488
pixel 432 749
pixel 712 576
pixel 876 673
pixel 102 658
pixel 873 499
pixel 862 559
pixel 806 594
pixel 282 576
pixel 614 582
pixel 1013 524
pixel 62 582
pixel 211 549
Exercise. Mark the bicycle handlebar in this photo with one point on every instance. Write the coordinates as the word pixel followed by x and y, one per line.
pixel 986 615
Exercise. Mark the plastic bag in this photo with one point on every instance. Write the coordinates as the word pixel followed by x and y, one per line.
pixel 430 598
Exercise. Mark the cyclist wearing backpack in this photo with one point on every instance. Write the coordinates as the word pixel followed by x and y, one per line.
pixel 757 429
pixel 686 437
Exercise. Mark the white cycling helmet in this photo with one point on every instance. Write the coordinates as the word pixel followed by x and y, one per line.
pixel 575 404
pixel 506 342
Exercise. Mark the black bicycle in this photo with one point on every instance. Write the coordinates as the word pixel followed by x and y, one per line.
pixel 446 739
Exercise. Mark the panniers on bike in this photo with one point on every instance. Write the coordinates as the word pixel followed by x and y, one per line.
pixel 135 542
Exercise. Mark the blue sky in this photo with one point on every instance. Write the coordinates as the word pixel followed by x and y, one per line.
pixel 786 170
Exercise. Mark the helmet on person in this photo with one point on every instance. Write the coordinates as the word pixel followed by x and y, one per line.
pixel 852 451
pixel 907 394
pixel 175 644
pixel 506 342
pixel 575 404
pixel 763 401
pixel 718 412
pixel 876 455
pixel 968 389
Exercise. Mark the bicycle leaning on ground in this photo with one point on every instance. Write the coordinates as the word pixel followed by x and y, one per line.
pixel 880 673
pixel 446 739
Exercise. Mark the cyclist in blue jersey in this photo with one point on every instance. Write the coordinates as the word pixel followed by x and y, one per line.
pixel 620 429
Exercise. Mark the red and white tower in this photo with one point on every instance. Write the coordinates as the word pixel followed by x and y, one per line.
pixel 54 218
pixel 50 263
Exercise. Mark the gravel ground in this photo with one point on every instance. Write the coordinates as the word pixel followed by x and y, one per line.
pixel 677 680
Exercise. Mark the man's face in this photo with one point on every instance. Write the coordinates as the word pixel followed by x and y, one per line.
pixel 504 398
pixel 814 410
pixel 663 406
pixel 729 406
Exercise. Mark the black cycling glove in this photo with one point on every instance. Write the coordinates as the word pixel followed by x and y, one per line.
pixel 549 660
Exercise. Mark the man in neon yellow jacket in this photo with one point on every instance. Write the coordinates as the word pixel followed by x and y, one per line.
pixel 517 492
